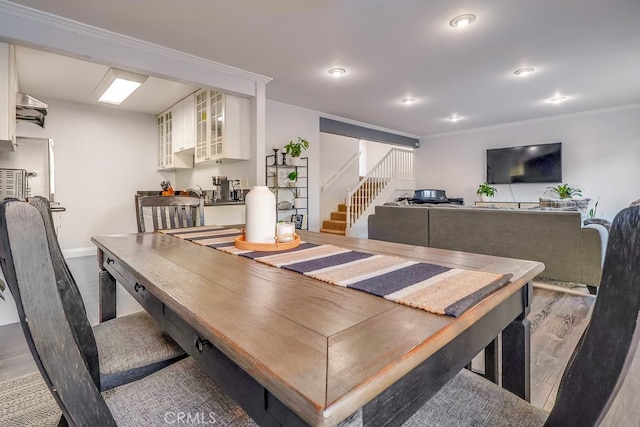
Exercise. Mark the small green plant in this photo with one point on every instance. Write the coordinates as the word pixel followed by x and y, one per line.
pixel 565 191
pixel 487 190
pixel 294 149
pixel 293 175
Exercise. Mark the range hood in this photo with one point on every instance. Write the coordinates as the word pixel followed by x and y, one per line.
pixel 29 109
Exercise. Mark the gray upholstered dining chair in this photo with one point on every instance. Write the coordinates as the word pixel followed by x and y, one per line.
pixel 180 391
pixel 128 347
pixel 169 211
pixel 595 371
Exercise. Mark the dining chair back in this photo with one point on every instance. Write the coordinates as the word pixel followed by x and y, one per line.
pixel 169 212
pixel 30 273
pixel 602 358
pixel 69 293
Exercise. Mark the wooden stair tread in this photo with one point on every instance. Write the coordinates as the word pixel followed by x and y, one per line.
pixel 332 231
pixel 334 224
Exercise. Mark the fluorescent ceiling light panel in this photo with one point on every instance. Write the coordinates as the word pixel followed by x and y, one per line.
pixel 117 85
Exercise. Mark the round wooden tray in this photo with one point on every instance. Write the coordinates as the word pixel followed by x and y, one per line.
pixel 266 247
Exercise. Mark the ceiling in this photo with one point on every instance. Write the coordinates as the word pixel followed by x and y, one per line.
pixel 48 75
pixel 586 50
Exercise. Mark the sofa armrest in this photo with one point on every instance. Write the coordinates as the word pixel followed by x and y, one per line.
pixel 594 238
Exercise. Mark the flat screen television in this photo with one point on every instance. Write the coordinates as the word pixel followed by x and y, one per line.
pixel 540 163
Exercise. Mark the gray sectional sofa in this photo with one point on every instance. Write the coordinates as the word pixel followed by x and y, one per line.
pixel 570 251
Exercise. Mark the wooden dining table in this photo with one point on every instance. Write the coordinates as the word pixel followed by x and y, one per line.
pixel 292 350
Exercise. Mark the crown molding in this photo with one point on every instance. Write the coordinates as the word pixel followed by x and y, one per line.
pixel 538 120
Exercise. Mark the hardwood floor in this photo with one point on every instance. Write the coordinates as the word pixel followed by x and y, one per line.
pixel 557 322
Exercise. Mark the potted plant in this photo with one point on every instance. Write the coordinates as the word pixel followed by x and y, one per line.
pixel 293 176
pixel 295 149
pixel 565 191
pixel 485 191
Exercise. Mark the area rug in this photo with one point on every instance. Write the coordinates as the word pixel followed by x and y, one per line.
pixel 26 402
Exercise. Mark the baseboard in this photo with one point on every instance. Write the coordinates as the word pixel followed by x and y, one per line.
pixel 79 252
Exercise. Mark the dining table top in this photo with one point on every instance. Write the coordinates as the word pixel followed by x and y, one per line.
pixel 323 350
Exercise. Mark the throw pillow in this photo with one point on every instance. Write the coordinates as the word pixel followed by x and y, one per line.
pixel 581 204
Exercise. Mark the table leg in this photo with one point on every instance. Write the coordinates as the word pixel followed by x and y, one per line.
pixel 516 352
pixel 492 361
pixel 107 292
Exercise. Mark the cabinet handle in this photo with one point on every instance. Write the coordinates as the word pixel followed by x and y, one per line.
pixel 200 344
pixel 138 287
pixel 110 261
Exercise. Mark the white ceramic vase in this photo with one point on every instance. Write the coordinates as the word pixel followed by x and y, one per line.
pixel 484 198
pixel 260 209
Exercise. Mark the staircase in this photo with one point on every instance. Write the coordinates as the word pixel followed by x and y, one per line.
pixel 338 222
pixel 393 173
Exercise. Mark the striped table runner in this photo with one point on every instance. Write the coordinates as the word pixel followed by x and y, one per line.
pixel 433 288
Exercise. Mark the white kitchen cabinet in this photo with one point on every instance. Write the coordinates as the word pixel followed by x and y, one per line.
pixel 8 89
pixel 184 125
pixel 173 131
pixel 222 127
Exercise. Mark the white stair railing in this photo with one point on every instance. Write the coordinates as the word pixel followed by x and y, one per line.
pixel 397 164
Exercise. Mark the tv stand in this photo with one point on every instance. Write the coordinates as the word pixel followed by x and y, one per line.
pixel 516 205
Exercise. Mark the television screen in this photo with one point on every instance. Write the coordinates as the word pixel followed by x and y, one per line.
pixel 527 164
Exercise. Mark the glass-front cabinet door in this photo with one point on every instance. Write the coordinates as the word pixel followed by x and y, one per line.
pixel 216 139
pixel 168 139
pixel 160 142
pixel 217 123
pixel 202 136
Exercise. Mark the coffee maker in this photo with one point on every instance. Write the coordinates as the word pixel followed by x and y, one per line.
pixel 220 188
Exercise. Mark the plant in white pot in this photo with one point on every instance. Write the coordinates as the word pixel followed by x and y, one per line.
pixel 485 191
pixel 294 149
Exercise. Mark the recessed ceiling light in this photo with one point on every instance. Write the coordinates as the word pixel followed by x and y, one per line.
pixel 408 101
pixel 557 99
pixel 523 71
pixel 337 72
pixel 454 118
pixel 462 20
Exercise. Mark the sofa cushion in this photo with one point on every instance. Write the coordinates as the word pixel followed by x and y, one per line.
pixel 553 238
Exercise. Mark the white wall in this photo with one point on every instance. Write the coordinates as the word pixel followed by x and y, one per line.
pixel 600 150
pixel 286 123
pixel 376 151
pixel 201 174
pixel 335 152
pixel 102 156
